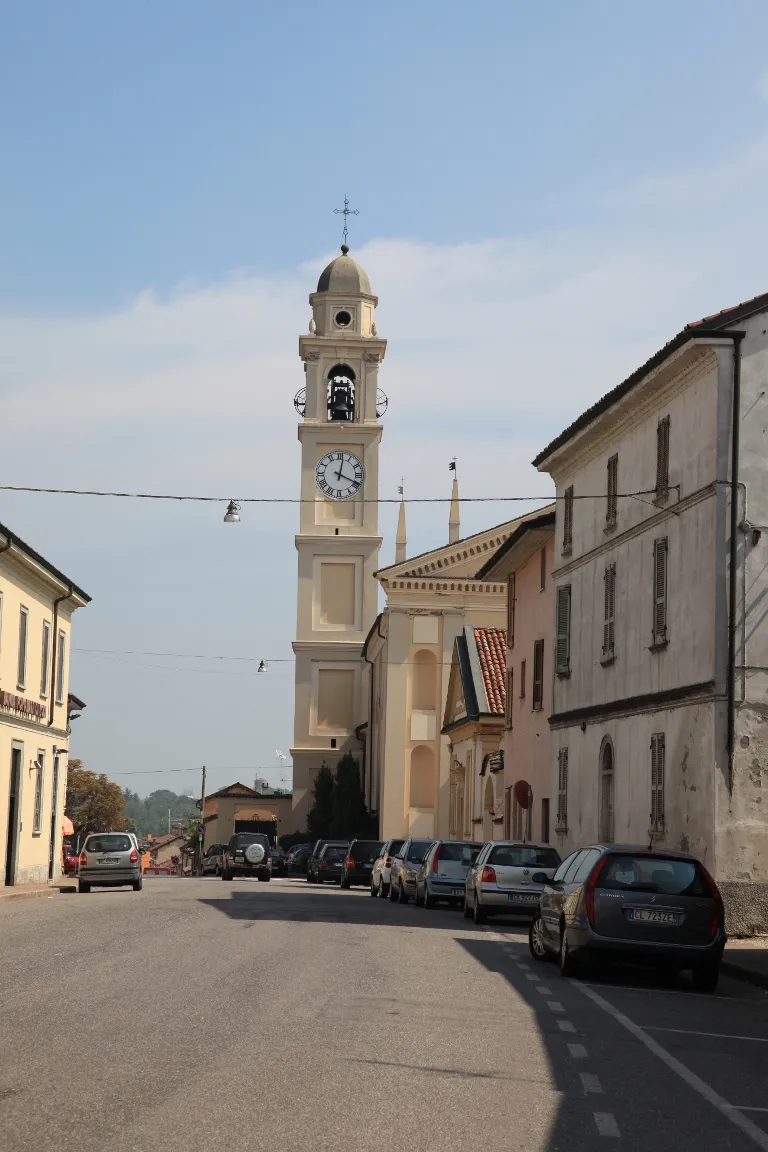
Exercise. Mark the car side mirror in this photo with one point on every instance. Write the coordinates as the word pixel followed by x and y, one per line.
pixel 540 878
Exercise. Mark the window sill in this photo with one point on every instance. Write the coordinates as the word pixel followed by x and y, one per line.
pixel 660 499
pixel 610 528
pixel 607 658
pixel 537 708
pixel 655 836
pixel 21 687
pixel 658 645
pixel 561 829
pixel 567 551
pixel 563 673
pixel 37 833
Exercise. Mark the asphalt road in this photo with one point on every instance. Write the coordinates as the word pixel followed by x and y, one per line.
pixel 201 1015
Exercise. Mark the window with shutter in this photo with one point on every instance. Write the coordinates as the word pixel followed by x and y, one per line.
pixel 508 701
pixel 563 631
pixel 568 520
pixel 538 674
pixel 511 611
pixel 658 756
pixel 662 459
pixel 613 490
pixel 522 679
pixel 562 790
pixel 543 556
pixel 609 618
pixel 660 551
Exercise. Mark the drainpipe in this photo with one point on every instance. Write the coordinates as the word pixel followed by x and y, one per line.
pixel 737 337
pixel 370 706
pixel 55 639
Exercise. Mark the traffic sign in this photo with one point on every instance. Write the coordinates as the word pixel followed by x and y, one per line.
pixel 201 829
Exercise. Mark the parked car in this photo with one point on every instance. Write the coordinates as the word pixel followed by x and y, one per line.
pixel 508 877
pixel 330 863
pixel 404 869
pixel 314 860
pixel 382 866
pixel 359 861
pixel 637 904
pixel 211 862
pixel 279 867
pixel 443 872
pixel 69 860
pixel 297 858
pixel 109 860
pixel 247 854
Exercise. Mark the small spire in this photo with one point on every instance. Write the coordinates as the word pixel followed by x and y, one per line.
pixel 454 527
pixel 401 540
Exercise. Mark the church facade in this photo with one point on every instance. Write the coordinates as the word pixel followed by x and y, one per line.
pixel 338 541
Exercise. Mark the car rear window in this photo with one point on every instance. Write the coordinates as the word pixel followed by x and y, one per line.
pixel 523 856
pixel 464 853
pixel 334 854
pixel 251 838
pixel 365 850
pixel 639 873
pixel 418 849
pixel 395 846
pixel 111 843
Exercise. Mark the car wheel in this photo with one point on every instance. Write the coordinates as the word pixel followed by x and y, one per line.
pixel 467 909
pixel 309 878
pixel 402 894
pixel 565 959
pixel 225 874
pixel 82 886
pixel 383 889
pixel 705 978
pixel 536 940
pixel 137 885
pixel 344 884
pixel 479 914
pixel 429 900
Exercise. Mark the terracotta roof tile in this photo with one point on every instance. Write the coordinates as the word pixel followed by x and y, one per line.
pixel 492 652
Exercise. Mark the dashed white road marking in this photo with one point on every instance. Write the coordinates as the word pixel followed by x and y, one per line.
pixel 566 1026
pixel 555 1005
pixel 590 1082
pixel 715 1035
pixel 757 1135
pixel 606 1124
pixel 532 976
pixel 746 1108
pixel 544 991
pixel 523 967
pixel 578 1051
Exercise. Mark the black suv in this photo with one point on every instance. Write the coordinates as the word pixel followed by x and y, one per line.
pixel 314 860
pixel 358 864
pixel 247 854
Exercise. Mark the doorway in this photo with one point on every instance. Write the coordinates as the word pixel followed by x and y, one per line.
pixel 14 800
pixel 54 815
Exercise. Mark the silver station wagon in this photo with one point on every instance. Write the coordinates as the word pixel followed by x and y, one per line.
pixel 109 860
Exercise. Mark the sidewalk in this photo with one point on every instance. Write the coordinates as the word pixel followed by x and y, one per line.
pixel 747 960
pixel 30 891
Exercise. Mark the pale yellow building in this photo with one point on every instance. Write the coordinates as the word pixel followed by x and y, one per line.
pixel 36 606
pixel 239 802
pixel 338 541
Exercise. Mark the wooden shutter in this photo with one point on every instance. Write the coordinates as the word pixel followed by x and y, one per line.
pixel 522 679
pixel 662 457
pixel 538 674
pixel 606 609
pixel 563 629
pixel 562 788
pixel 568 520
pixel 511 611
pixel 609 619
pixel 660 590
pixel 613 489
pixel 508 701
pixel 658 756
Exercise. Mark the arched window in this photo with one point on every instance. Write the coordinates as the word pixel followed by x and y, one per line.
pixel 424 681
pixel 606 791
pixel 423 782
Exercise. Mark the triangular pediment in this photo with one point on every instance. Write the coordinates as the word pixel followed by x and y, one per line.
pixel 463 558
pixel 455 703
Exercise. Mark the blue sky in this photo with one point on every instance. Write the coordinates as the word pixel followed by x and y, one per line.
pixel 546 194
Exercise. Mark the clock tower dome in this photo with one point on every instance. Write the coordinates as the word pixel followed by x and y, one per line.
pixel 338 541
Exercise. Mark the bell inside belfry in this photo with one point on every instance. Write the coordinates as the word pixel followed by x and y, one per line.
pixel 341 399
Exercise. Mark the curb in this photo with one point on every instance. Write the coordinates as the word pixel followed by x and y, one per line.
pixel 748 975
pixel 22 895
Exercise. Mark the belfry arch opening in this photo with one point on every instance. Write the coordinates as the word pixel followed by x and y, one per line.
pixel 341 393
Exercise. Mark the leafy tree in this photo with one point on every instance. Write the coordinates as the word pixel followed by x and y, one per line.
pixel 350 815
pixel 94 803
pixel 150 816
pixel 321 814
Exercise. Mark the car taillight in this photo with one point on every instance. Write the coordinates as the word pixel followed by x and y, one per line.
pixel 134 857
pixel 589 891
pixel 488 875
pixel 715 894
pixel 83 859
pixel 350 862
pixel 436 859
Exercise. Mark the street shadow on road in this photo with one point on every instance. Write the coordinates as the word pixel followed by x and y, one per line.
pixel 328 906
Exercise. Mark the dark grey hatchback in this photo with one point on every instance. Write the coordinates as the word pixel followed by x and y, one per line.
pixel 635 904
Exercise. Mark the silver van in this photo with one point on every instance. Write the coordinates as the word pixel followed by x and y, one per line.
pixel 109 860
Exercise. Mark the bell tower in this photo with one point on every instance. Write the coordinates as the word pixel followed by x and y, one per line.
pixel 338 541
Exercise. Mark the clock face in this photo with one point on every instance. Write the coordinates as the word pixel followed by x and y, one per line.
pixel 339 475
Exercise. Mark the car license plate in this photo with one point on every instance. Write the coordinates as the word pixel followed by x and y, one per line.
pixel 457 891
pixel 523 897
pixel 654 916
pixel 109 860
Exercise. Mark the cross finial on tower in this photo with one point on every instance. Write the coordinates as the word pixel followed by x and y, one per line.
pixel 345 212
